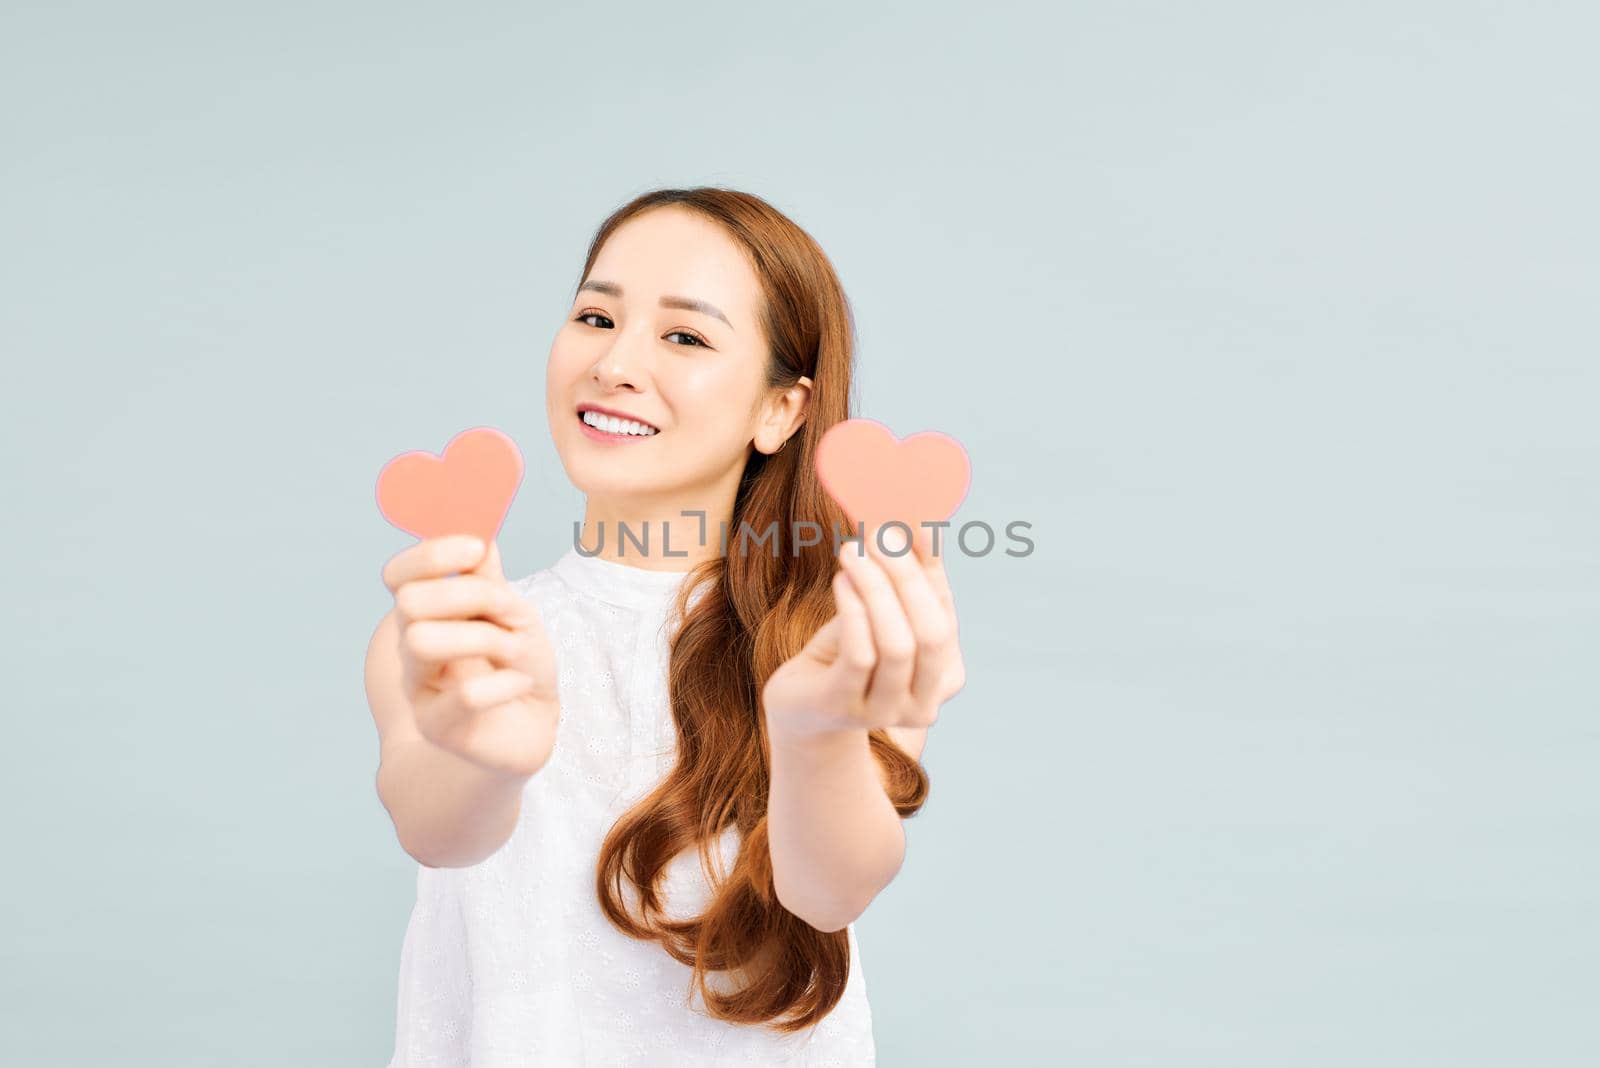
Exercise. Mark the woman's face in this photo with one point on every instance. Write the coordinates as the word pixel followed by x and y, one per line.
pixel 696 375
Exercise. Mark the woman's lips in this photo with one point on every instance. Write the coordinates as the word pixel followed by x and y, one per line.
pixel 596 434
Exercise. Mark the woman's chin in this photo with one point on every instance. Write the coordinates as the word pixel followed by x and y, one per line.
pixel 600 476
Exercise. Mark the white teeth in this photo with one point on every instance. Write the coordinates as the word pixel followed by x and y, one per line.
pixel 612 425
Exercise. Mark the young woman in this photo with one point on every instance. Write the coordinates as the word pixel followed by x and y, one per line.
pixel 651 787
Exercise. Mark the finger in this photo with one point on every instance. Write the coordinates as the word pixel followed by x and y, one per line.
pixel 484 692
pixel 465 596
pixel 432 558
pixel 852 668
pixel 932 561
pixel 891 631
pixel 824 644
pixel 931 621
pixel 497 736
pixel 490 566
pixel 436 642
pixel 421 674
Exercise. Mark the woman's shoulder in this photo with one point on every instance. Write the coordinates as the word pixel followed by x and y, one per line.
pixel 533 581
pixel 554 588
pixel 543 587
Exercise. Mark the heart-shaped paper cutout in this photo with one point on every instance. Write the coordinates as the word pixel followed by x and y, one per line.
pixel 877 478
pixel 466 491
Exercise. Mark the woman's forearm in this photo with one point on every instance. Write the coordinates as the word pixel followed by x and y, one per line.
pixel 835 837
pixel 447 812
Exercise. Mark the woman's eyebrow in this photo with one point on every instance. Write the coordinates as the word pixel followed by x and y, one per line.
pixel 611 289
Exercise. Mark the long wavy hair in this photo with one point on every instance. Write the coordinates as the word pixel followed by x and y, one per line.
pixel 754 610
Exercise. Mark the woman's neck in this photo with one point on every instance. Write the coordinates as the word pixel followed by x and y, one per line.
pixel 659 537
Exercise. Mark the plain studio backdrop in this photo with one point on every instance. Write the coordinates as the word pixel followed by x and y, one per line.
pixel 1275 321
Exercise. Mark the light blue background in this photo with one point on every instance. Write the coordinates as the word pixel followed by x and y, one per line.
pixel 1276 321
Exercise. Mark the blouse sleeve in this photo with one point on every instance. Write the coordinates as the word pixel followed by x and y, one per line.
pixel 434 1007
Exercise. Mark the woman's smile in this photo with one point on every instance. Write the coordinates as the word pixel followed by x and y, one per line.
pixel 601 426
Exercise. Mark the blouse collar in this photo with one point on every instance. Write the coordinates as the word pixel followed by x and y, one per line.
pixel 617 581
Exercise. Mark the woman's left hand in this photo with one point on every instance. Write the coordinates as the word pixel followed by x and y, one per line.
pixel 889 657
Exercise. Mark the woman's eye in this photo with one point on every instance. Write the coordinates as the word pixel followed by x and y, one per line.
pixel 586 316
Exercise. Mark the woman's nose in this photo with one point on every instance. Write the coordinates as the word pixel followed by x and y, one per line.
pixel 622 364
pixel 611 374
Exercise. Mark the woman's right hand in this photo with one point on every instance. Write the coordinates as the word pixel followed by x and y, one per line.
pixel 476 663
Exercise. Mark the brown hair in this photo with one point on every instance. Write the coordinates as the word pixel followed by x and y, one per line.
pixel 758 609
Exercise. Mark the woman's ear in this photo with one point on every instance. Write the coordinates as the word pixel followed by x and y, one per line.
pixel 796 399
pixel 785 414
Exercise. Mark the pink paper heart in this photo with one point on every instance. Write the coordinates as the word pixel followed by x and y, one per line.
pixel 877 478
pixel 468 490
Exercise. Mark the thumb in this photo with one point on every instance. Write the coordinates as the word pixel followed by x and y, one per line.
pixel 824 644
pixel 490 566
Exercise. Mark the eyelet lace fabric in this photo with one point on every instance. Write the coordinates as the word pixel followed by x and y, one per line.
pixel 510 963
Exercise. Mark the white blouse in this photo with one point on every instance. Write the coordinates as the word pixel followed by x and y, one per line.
pixel 510 962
